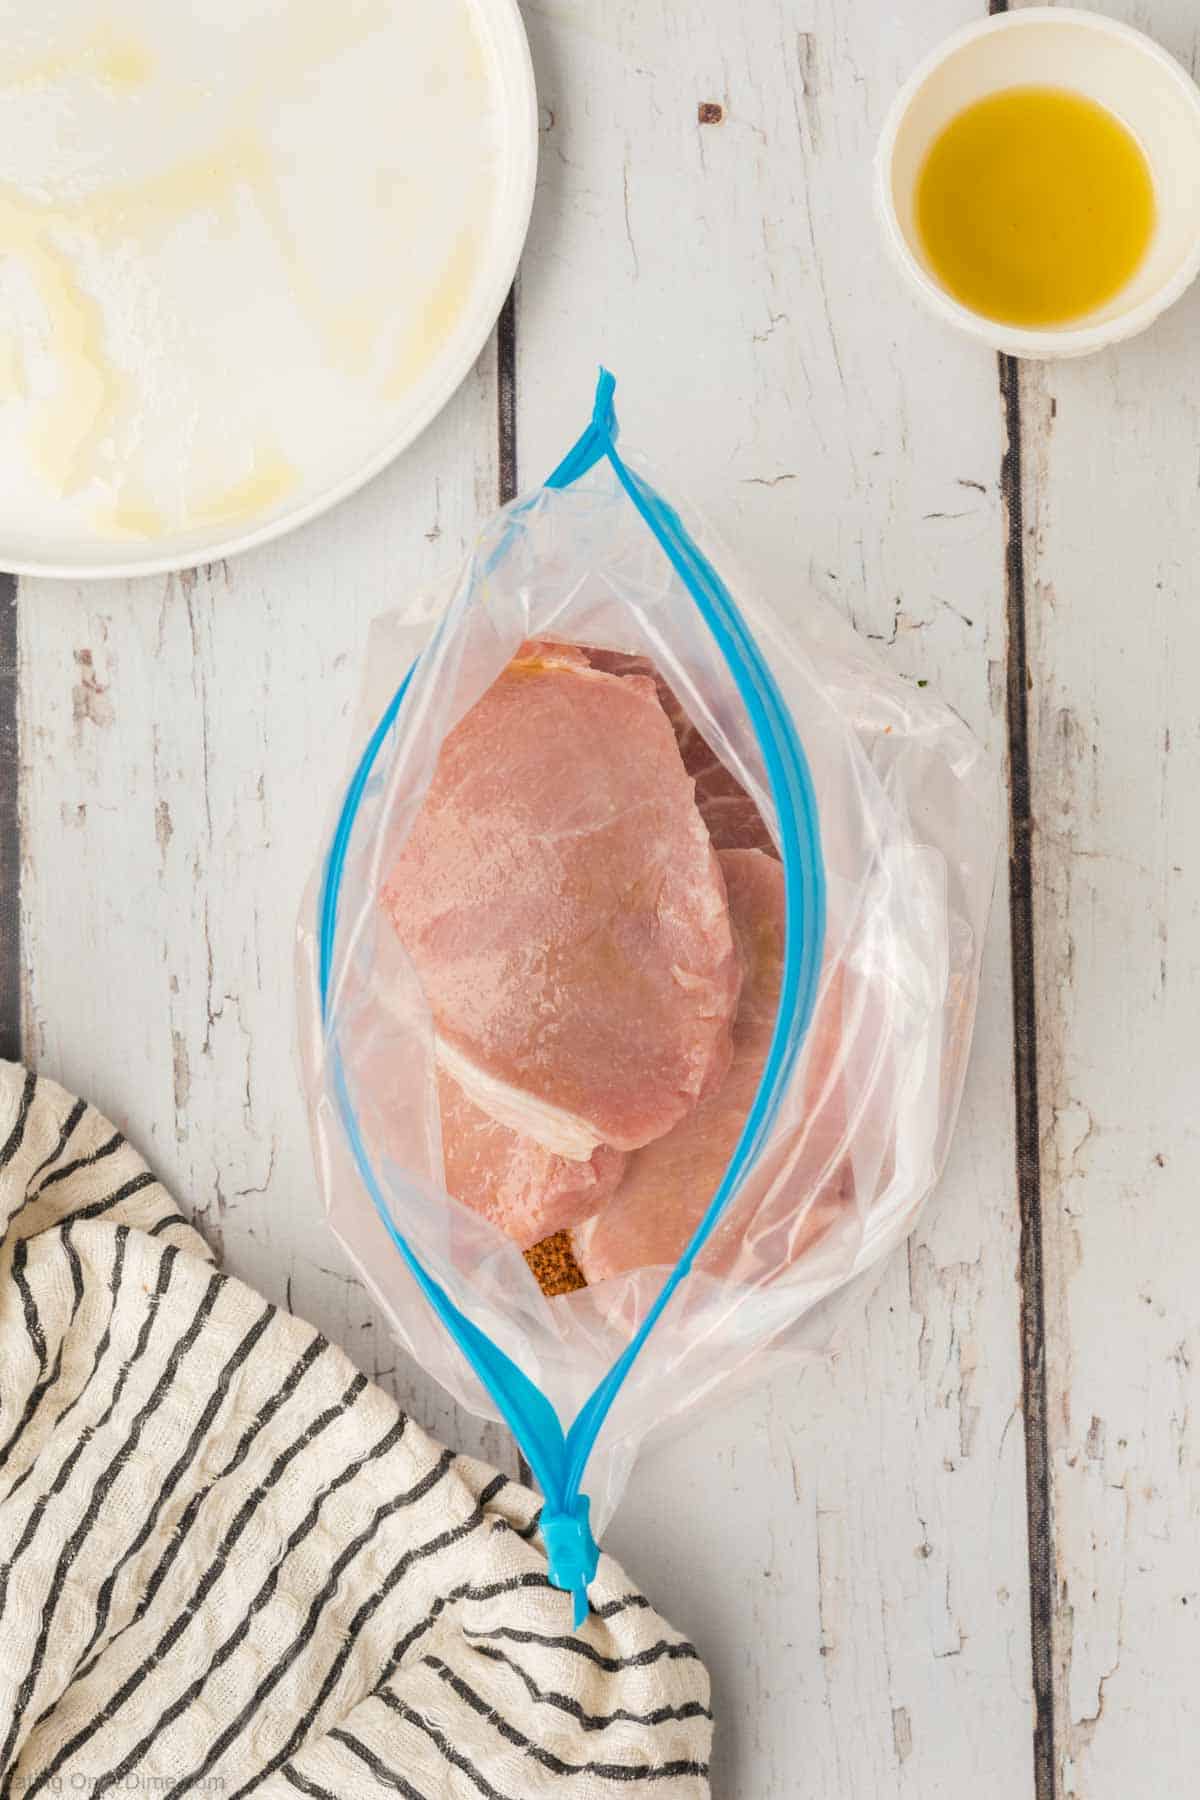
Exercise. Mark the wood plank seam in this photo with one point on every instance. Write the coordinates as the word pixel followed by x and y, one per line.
pixel 10 828
pixel 506 396
pixel 1028 1141
pixel 506 441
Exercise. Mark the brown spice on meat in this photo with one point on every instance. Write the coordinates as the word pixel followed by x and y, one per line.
pixel 553 1263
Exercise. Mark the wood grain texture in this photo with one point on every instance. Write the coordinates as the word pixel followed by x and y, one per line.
pixel 849 1547
pixel 183 741
pixel 1023 952
pixel 10 831
pixel 1113 537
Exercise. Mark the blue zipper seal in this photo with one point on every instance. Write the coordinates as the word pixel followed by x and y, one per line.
pixel 559 1458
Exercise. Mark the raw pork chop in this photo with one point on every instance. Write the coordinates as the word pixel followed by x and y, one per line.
pixel 668 1184
pixel 734 821
pixel 524 1189
pixel 565 910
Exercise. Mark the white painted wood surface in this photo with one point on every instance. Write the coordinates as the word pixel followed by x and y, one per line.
pixel 848 1544
pixel 1113 546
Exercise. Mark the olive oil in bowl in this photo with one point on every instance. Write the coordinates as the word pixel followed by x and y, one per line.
pixel 1035 206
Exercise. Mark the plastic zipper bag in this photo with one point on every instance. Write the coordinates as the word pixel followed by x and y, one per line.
pixel 878 813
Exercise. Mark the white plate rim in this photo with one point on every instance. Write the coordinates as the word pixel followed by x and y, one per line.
pixel 518 94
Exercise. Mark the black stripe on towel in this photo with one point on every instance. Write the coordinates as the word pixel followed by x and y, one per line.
pixel 125 1192
pixel 611 1608
pixel 386 1777
pixel 607 1771
pixel 80 1162
pixel 72 1256
pixel 531 1530
pixel 104 1486
pixel 106 1202
pixel 235 1639
pixel 16 1136
pixel 33 1323
pixel 37 1337
pixel 495 1486
pixel 59 1483
pixel 32 1402
pixel 530 1578
pixel 262 1418
pixel 642 1659
pixel 174 1218
pixel 64 1137
pixel 434 1613
pixel 301 1782
pixel 212 1574
pixel 462 1592
pixel 114 1284
pixel 303 1785
pixel 184 1461
pixel 41 1388
pixel 454 1757
pixel 431 1547
pixel 660 1715
pixel 109 1147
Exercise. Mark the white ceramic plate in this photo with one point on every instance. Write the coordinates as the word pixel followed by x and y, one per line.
pixel 248 250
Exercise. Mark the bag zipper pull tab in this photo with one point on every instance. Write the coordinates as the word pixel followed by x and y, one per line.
pixel 572 1552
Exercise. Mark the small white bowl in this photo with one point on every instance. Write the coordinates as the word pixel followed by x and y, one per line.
pixel 1053 46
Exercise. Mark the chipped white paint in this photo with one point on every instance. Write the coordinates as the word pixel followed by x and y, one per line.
pixel 854 1562
pixel 1112 548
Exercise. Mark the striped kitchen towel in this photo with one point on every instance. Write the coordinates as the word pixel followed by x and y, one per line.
pixel 229 1565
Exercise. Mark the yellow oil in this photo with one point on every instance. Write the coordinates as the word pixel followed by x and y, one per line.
pixel 439 312
pixel 91 390
pixel 1035 206
pixel 106 55
pixel 132 515
pixel 67 426
pixel 272 477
